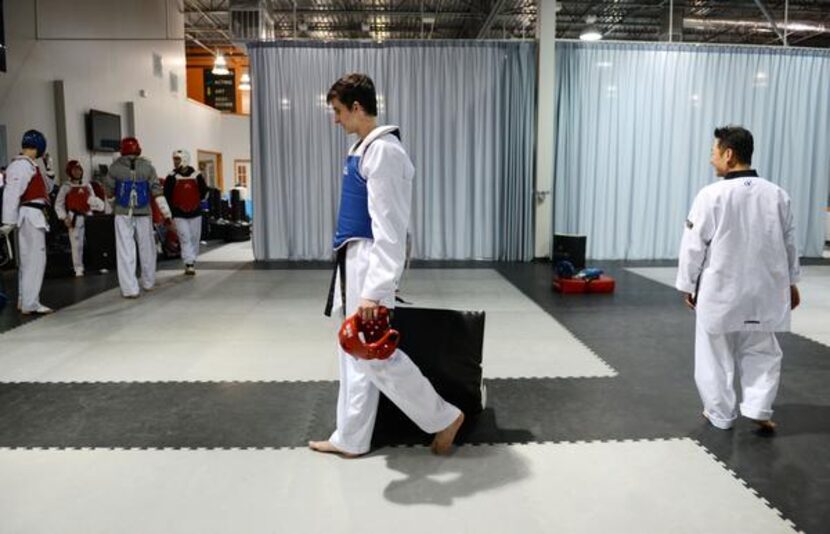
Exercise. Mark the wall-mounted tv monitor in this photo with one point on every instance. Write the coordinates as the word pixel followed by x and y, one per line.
pixel 103 131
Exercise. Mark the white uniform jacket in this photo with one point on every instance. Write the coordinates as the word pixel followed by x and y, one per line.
pixel 738 255
pixel 389 173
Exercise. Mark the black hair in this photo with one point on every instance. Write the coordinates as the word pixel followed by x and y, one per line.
pixel 739 139
pixel 353 88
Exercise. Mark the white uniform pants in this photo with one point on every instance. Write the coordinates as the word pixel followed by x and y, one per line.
pixel 361 381
pixel 76 240
pixel 755 357
pixel 128 231
pixel 32 249
pixel 190 234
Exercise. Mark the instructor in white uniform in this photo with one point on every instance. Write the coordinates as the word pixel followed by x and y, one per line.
pixel 738 268
pixel 371 239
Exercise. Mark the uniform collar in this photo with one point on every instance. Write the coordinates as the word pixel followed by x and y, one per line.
pixel 751 173
pixel 25 158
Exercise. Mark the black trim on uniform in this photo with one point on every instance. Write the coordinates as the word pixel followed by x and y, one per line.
pixel 751 173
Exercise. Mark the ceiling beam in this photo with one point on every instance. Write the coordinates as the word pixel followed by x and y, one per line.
pixel 763 7
pixel 498 5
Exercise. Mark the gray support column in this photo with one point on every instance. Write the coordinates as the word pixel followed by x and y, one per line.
pixel 545 129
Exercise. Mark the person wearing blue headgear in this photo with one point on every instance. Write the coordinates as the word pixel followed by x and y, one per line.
pixel 25 205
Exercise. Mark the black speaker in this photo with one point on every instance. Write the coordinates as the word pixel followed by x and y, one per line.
pixel 237 206
pixel 215 202
pixel 571 248
pixel 99 247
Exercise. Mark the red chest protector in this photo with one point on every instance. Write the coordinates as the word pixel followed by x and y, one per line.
pixel 77 199
pixel 99 190
pixel 36 190
pixel 186 194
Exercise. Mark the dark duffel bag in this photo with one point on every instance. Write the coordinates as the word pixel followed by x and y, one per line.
pixel 237 231
pixel 446 345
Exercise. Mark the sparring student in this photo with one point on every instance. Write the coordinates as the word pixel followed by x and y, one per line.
pixel 371 239
pixel 25 205
pixel 133 182
pixel 738 268
pixel 184 189
pixel 75 201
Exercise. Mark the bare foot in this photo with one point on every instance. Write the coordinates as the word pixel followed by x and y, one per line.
pixel 443 440
pixel 326 446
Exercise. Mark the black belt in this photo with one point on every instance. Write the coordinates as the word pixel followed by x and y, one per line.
pixel 38 206
pixel 339 266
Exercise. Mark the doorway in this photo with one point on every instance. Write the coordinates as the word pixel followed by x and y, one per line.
pixel 210 165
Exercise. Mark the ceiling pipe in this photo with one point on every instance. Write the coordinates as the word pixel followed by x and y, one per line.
pixel 709 24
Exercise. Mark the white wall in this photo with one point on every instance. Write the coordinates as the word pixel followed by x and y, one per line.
pixel 83 43
pixel 236 141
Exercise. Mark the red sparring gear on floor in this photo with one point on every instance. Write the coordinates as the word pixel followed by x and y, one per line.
pixel 379 341
pixel 603 284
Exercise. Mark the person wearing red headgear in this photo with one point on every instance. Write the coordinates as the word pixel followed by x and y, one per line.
pixel 133 182
pixel 25 205
pixel 184 189
pixel 371 243
pixel 75 201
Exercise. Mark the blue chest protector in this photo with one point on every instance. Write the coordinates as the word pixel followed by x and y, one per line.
pixel 124 190
pixel 353 220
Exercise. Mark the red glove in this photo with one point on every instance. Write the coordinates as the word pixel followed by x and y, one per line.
pixel 378 342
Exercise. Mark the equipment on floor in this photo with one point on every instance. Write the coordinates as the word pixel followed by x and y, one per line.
pixel 446 345
pixel 99 243
pixel 237 231
pixel 600 284
pixel 237 206
pixel 369 340
pixel 565 269
pixel 571 248
pixel 591 273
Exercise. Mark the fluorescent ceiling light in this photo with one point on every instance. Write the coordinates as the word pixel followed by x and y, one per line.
pixel 245 82
pixel 590 33
pixel 220 66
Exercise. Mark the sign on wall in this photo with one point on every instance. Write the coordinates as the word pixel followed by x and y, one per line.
pixel 220 91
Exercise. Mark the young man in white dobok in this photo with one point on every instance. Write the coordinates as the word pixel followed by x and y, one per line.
pixel 371 239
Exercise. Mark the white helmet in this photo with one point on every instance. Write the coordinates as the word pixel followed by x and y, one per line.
pixel 183 155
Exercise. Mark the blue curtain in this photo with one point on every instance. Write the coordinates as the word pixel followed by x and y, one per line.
pixel 634 134
pixel 466 111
